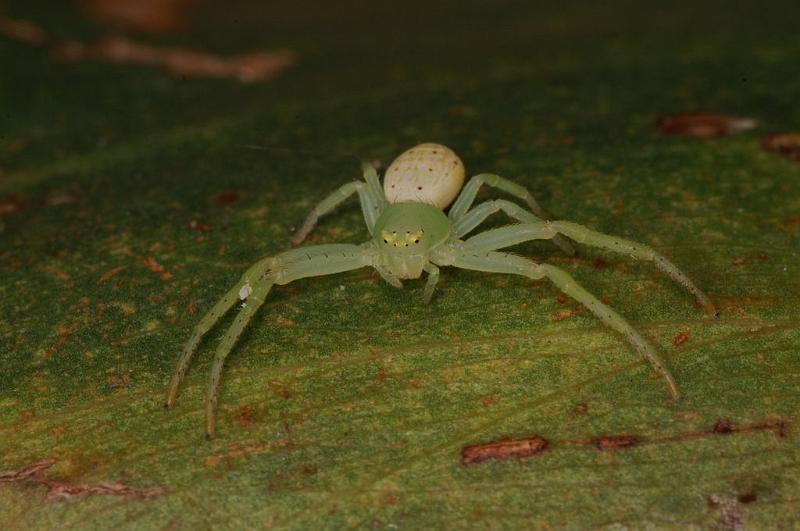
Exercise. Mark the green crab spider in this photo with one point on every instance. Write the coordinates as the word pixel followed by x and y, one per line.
pixel 410 235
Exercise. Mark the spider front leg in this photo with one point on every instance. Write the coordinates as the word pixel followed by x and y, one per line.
pixel 284 268
pixel 478 215
pixel 463 202
pixel 234 295
pixel 370 195
pixel 491 240
pixel 430 284
pixel 497 262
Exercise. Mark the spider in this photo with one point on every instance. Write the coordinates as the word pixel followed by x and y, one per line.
pixel 411 234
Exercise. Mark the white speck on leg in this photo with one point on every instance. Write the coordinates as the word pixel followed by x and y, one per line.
pixel 245 291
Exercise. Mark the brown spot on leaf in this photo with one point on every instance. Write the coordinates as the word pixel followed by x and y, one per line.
pixel 153 16
pixel 259 213
pixel 248 67
pixel 226 198
pixel 704 124
pixel 108 274
pixel 489 400
pixel 599 263
pixel 11 204
pixel 612 443
pixel 561 315
pixel 723 426
pixel 35 474
pixel 786 144
pixel 681 338
pixel 284 321
pixel 246 416
pixel 746 498
pixel 198 226
pixel 64 334
pixel 750 258
pixel 157 268
pixel 56 272
pixel 581 408
pixel 504 449
pixel 22 31
pixel 792 223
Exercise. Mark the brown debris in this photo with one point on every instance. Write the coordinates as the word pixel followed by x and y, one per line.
pixel 153 16
pixel 704 124
pixel 561 315
pixel 108 274
pixel 25 473
pixel 791 224
pixel 64 334
pixel 786 144
pixel 681 338
pixel 9 205
pixel 750 258
pixel 226 198
pixel 722 426
pixel 612 443
pixel 198 226
pixel 59 490
pixel 22 31
pixel 248 67
pixel 284 321
pixel 748 497
pixel 504 449
pixel 157 268
pixel 246 416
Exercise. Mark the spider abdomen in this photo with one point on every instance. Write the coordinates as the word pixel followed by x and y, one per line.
pixel 426 173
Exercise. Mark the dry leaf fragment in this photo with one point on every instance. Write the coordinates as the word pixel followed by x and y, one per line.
pixel 704 124
pixel 786 144
pixel 248 67
pixel 22 31
pixel 154 16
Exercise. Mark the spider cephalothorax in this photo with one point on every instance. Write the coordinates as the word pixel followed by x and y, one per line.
pixel 411 234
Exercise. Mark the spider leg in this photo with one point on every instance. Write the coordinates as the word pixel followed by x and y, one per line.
pixel 470 190
pixel 465 199
pixel 497 262
pixel 430 284
pixel 208 321
pixel 506 236
pixel 370 196
pixel 373 184
pixel 388 276
pixel 284 268
pixel 478 215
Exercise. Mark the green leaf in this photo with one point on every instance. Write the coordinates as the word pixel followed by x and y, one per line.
pixel 133 199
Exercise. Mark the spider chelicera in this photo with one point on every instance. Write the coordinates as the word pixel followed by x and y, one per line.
pixel 411 234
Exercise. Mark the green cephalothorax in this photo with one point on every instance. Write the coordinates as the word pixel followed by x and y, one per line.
pixel 410 235
pixel 406 233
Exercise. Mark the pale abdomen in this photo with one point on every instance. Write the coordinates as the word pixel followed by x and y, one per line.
pixel 427 173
